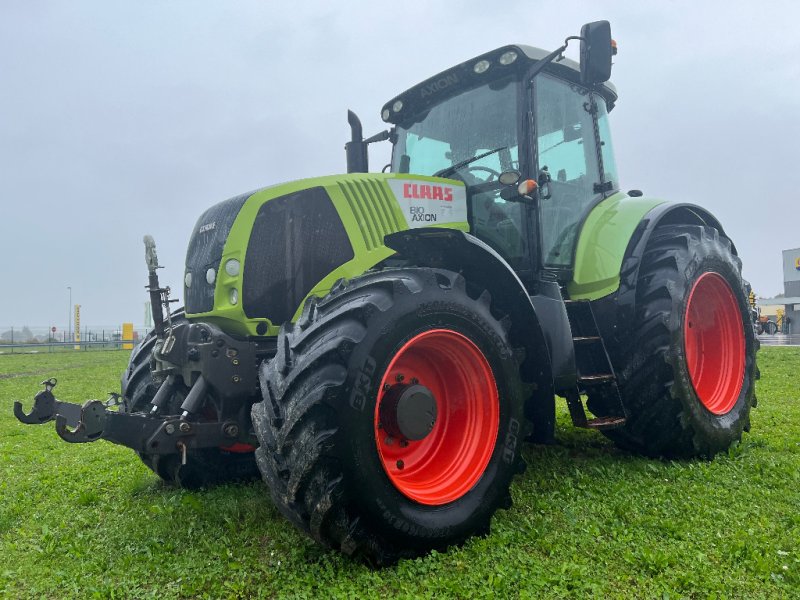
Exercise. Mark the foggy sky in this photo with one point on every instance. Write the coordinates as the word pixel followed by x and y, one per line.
pixel 119 119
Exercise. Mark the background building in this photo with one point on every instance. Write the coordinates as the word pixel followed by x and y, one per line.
pixel 791 292
pixel 791 288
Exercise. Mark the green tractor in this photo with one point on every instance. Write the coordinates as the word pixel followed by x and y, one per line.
pixel 380 345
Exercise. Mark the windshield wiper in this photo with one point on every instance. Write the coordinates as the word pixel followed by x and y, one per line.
pixel 452 169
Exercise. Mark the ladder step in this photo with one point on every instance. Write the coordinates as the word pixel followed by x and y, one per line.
pixel 596 379
pixel 605 423
pixel 583 339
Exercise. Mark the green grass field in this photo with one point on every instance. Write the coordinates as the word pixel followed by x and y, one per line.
pixel 89 520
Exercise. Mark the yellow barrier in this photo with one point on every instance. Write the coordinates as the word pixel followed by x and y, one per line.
pixel 127 336
pixel 77 338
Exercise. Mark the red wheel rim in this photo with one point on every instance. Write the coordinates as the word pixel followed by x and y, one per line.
pixel 448 461
pixel 714 343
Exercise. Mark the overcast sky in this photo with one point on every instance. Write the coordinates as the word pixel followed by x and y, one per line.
pixel 124 118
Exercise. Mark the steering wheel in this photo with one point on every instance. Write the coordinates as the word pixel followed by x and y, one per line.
pixel 492 173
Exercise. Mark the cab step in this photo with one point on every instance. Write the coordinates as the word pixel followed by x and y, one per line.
pixel 604 423
pixel 579 419
pixel 595 371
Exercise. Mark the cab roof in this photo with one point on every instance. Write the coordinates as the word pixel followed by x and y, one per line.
pixel 463 76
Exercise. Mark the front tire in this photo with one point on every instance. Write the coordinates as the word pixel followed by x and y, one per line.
pixel 688 381
pixel 392 415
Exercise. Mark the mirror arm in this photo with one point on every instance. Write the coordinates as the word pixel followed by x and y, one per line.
pixel 555 55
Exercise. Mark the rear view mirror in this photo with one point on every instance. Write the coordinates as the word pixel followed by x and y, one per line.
pixel 597 48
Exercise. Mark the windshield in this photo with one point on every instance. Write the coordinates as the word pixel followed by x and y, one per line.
pixel 474 122
pixel 481 122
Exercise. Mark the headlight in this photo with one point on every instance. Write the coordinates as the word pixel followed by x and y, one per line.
pixel 481 66
pixel 232 267
pixel 211 276
pixel 234 296
pixel 508 57
pixel 397 106
pixel 187 280
pixel 385 114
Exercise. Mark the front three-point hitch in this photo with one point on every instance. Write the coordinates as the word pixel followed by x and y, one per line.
pixel 207 381
pixel 95 420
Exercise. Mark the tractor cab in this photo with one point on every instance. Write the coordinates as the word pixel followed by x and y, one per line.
pixel 500 121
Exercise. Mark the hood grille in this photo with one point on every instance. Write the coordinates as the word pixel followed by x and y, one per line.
pixel 205 251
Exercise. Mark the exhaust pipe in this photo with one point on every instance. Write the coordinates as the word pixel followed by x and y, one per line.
pixel 356 148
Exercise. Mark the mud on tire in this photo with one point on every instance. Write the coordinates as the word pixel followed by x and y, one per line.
pixel 667 417
pixel 317 424
pixel 204 466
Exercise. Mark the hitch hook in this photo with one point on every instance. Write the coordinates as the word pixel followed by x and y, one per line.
pixel 44 405
pixel 90 425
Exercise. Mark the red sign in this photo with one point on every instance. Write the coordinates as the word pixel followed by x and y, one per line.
pixel 53 329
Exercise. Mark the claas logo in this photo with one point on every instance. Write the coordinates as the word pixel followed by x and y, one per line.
pixel 427 192
pixel 797 263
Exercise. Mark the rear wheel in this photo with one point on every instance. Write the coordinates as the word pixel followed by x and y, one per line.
pixel 771 327
pixel 688 381
pixel 204 466
pixel 392 415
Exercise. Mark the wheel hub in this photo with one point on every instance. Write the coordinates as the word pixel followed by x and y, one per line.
pixel 408 411
pixel 436 417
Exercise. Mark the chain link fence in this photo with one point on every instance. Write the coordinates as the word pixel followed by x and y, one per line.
pixel 29 339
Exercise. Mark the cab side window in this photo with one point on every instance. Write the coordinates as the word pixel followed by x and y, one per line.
pixel 567 151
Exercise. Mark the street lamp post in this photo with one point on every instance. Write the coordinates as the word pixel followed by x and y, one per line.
pixel 69 314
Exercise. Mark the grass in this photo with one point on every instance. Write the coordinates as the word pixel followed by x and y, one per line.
pixel 89 520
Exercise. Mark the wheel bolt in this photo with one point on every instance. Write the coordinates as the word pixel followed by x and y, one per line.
pixel 414 380
pixel 403 443
pixel 389 440
pixel 386 387
pixel 400 377
pixel 400 464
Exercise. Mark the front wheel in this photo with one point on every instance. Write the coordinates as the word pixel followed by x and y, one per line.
pixel 688 381
pixel 392 415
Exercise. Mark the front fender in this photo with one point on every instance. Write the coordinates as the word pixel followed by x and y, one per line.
pixel 549 359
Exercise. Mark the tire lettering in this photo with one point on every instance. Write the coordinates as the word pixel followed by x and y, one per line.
pixel 359 398
pixel 510 448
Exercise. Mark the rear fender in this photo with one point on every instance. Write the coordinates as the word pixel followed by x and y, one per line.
pixel 463 253
pixel 615 312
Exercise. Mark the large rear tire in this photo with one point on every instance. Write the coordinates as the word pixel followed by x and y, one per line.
pixel 392 415
pixel 205 466
pixel 688 381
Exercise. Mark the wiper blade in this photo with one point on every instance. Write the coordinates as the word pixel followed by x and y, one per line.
pixel 452 169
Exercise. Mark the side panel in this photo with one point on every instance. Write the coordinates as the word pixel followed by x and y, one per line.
pixel 602 242
pixel 370 207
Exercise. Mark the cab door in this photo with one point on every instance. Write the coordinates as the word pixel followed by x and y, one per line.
pixel 566 152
